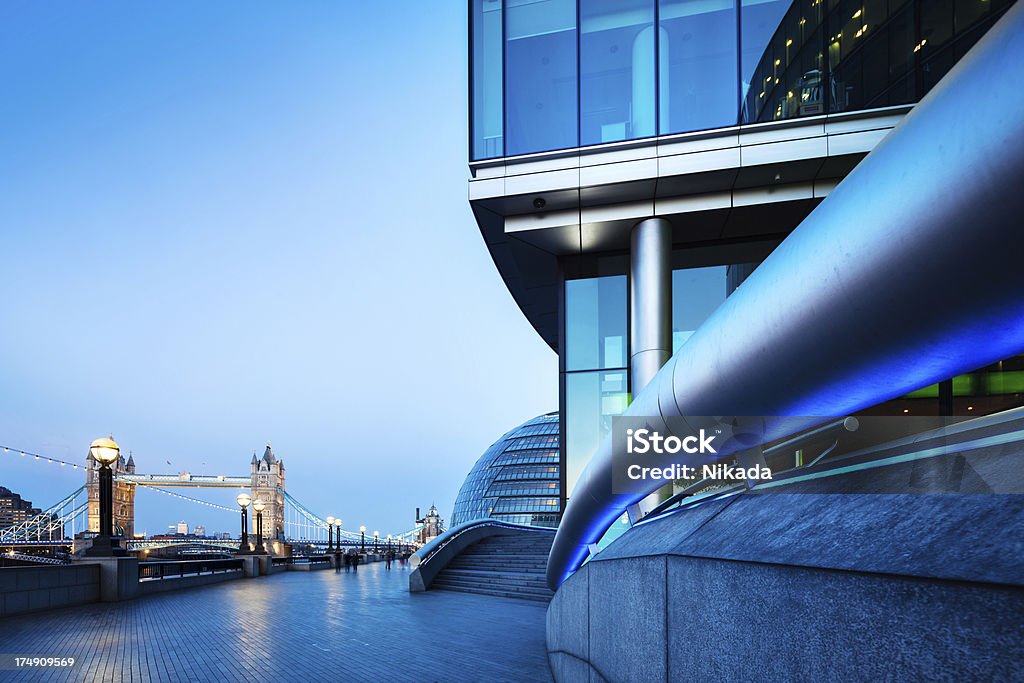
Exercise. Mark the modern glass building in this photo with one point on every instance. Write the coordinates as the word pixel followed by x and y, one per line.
pixel 785 221
pixel 557 74
pixel 718 125
pixel 516 479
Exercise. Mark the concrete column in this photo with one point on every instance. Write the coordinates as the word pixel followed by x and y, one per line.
pixel 650 301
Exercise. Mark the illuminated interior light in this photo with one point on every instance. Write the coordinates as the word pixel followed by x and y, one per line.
pixel 856 14
pixel 778 61
pixel 789 94
pixel 789 42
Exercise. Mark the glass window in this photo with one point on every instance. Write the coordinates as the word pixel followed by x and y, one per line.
pixel 697 64
pixel 596 327
pixel 759 22
pixel 591 400
pixel 617 73
pixel 487 78
pixel 696 293
pixel 782 60
pixel 540 87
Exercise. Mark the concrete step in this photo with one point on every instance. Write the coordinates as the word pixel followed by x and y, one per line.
pixel 493 578
pixel 497 593
pixel 509 590
pixel 507 577
pixel 500 562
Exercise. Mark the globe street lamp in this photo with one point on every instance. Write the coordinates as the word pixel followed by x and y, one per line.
pixel 243 501
pixel 376 535
pixel 330 534
pixel 362 539
pixel 259 506
pixel 105 452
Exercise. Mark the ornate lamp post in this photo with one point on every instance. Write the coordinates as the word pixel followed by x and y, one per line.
pixel 337 534
pixel 362 539
pixel 330 534
pixel 389 543
pixel 259 506
pixel 243 501
pixel 376 535
pixel 105 452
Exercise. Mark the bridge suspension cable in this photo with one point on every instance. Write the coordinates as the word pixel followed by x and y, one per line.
pixel 51 524
pixel 188 498
pixel 10 450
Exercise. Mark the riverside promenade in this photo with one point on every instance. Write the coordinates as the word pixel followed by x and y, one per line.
pixel 293 626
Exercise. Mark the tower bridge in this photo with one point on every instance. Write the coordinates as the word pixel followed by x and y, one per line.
pixel 66 525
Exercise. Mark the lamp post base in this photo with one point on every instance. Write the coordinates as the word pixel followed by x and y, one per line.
pixel 105 546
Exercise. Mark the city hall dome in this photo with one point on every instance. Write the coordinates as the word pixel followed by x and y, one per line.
pixel 516 479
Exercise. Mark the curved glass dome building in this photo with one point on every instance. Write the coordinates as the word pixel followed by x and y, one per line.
pixel 516 479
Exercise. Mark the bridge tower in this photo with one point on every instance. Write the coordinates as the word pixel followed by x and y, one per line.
pixel 267 485
pixel 124 494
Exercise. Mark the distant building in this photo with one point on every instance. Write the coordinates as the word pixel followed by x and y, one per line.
pixel 267 474
pixel 433 525
pixel 517 479
pixel 199 530
pixel 14 509
pixel 183 528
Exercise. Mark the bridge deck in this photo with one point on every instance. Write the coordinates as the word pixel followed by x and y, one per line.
pixel 316 626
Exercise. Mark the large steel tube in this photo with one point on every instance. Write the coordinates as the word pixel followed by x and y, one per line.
pixel 908 273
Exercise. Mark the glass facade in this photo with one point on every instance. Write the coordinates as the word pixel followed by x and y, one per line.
pixel 596 387
pixel 596 377
pixel 696 293
pixel 556 74
pixel 617 75
pixel 516 479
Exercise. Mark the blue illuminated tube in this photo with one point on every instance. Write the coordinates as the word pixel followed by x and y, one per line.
pixel 910 272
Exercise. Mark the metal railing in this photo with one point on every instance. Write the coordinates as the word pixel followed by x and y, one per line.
pixel 438 543
pixel 832 431
pixel 157 571
pixel 308 559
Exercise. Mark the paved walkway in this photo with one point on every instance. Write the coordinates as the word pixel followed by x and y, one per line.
pixel 293 626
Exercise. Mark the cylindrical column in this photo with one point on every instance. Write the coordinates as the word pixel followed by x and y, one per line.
pixel 106 501
pixel 650 301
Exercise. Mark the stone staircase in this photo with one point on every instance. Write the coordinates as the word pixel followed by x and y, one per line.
pixel 508 566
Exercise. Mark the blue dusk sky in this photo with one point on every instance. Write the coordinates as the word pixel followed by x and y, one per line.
pixel 223 224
